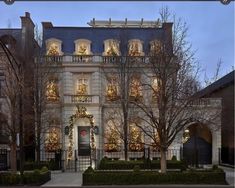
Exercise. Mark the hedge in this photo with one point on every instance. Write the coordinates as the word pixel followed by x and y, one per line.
pixel 106 164
pixel 37 177
pixel 51 165
pixel 150 177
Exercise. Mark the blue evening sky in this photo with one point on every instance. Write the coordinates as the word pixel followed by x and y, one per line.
pixel 211 24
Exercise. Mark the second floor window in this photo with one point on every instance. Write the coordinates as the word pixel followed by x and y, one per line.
pixel 112 89
pixel 135 88
pixel 82 86
pixel 52 91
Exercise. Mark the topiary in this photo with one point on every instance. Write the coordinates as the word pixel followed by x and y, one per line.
pixel 174 158
pixel 44 169
pixel 89 170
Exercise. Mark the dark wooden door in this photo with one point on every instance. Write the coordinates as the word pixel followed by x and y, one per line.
pixel 84 141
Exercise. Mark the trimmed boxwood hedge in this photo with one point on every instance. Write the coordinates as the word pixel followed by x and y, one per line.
pixel 150 177
pixel 51 165
pixel 36 177
pixel 106 164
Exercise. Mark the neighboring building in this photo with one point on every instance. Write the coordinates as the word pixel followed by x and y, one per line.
pixel 224 89
pixel 79 55
pixel 22 45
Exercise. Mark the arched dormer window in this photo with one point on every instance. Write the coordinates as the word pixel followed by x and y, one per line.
pixel 82 47
pixel 53 47
pixel 135 47
pixel 155 47
pixel 111 47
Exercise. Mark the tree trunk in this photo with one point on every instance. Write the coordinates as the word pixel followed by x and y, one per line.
pixel 163 161
pixel 13 158
pixel 125 140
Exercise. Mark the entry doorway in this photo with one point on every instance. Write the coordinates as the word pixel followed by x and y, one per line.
pixel 84 148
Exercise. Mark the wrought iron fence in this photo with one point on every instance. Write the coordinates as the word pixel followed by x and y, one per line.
pixel 4 159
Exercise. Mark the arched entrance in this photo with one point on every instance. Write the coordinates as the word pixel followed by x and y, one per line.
pixel 81 138
pixel 198 147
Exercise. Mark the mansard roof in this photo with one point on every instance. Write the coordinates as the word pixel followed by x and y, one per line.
pixel 15 33
pixel 97 35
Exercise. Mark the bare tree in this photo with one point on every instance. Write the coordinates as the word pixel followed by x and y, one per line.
pixel 170 81
pixel 120 72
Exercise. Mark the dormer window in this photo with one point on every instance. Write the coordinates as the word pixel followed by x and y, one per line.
pixel 155 47
pixel 53 47
pixel 135 48
pixel 111 47
pixel 82 47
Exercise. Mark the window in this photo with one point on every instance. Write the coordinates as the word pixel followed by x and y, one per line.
pixel 82 83
pixel 155 87
pixel 52 90
pixel 136 139
pixel 53 47
pixel 112 136
pixel 112 89
pixel 135 48
pixel 135 88
pixel 52 139
pixel 82 47
pixel 111 47
pixel 155 47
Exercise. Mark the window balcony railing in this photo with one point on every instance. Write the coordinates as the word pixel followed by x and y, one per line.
pixel 81 99
pixel 82 58
pixel 75 59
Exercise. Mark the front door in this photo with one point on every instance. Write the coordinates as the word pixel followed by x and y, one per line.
pixel 84 141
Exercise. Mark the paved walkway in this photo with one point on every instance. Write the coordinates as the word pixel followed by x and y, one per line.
pixel 74 179
pixel 65 179
pixel 230 175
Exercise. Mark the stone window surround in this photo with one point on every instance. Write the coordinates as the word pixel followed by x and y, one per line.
pixel 55 41
pixel 78 42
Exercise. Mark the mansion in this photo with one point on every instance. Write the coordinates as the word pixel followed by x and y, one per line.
pixel 82 115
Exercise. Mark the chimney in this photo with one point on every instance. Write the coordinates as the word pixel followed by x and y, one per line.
pixel 167 27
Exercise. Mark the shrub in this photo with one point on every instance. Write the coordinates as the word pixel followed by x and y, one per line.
pixel 174 158
pixel 29 178
pixel 136 169
pixel 44 169
pixel 143 164
pixel 89 170
pixel 150 177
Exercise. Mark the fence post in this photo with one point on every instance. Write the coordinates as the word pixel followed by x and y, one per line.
pixel 75 160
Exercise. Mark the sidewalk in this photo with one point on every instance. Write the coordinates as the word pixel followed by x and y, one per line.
pixel 64 179
pixel 230 175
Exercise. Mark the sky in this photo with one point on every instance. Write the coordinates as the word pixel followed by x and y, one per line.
pixel 211 24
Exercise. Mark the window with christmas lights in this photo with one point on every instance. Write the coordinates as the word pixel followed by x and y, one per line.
pixel 111 47
pixel 135 48
pixel 112 136
pixel 82 47
pixel 52 90
pixel 155 47
pixel 135 88
pixel 112 89
pixel 136 138
pixel 53 47
pixel 52 141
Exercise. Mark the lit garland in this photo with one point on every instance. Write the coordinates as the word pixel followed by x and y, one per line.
pixel 81 113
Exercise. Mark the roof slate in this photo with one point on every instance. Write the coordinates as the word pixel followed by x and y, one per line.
pixel 97 36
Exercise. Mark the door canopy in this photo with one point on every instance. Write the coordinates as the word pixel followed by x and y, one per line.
pixel 80 113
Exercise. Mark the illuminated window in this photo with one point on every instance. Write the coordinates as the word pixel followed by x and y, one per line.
pixel 53 47
pixel 136 139
pixel 52 90
pixel 82 85
pixel 112 89
pixel 52 140
pixel 156 142
pixel 135 48
pixel 82 47
pixel 155 87
pixel 135 88
pixel 111 47
pixel 112 136
pixel 155 47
